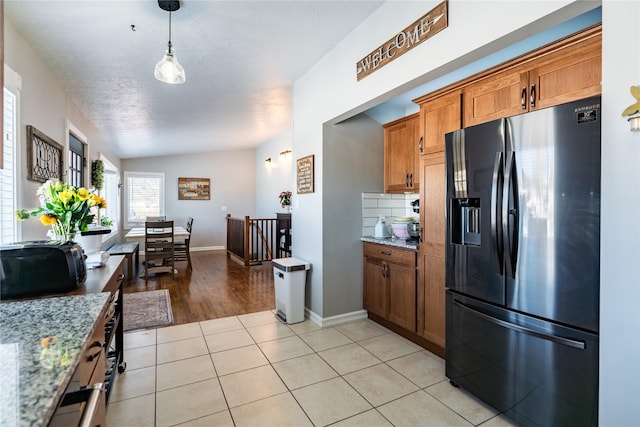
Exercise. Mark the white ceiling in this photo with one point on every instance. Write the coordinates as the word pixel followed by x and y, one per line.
pixel 240 57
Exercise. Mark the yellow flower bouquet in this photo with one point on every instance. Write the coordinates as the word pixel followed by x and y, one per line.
pixel 65 208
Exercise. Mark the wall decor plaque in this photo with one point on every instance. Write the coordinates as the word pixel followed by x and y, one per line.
pixel 304 173
pixel 194 188
pixel 44 156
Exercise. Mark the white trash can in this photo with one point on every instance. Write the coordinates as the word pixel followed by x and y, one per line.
pixel 290 277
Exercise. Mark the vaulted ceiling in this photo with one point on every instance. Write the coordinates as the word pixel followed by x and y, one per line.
pixel 240 57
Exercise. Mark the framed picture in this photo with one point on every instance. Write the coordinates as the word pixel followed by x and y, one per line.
pixel 304 173
pixel 44 156
pixel 194 189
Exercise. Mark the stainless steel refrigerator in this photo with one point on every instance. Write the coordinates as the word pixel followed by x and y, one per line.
pixel 523 263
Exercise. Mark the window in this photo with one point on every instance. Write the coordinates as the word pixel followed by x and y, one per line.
pixel 8 232
pixel 110 191
pixel 144 196
pixel 76 161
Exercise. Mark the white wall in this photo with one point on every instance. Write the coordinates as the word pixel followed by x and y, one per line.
pixel 270 182
pixel 44 105
pixel 620 225
pixel 353 155
pixel 233 185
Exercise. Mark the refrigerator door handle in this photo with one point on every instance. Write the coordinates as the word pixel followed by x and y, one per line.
pixel 510 216
pixel 581 345
pixel 496 197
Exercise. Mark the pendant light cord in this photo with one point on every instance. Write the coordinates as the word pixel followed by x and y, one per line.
pixel 170 32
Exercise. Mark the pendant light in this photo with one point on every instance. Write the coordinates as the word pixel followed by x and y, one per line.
pixel 168 69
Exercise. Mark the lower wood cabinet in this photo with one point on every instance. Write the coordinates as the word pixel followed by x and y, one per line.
pixel 390 279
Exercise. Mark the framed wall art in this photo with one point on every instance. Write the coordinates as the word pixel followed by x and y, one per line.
pixel 44 156
pixel 194 188
pixel 304 173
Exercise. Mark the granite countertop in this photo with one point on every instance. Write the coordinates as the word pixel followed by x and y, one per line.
pixel 390 241
pixel 34 370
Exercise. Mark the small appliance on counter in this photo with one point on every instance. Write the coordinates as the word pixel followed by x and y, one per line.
pixel 40 267
pixel 415 206
pixel 400 227
pixel 414 231
pixel 381 231
pixel 91 241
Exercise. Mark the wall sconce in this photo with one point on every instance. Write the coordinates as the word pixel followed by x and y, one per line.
pixel 633 110
pixel 285 155
pixel 267 162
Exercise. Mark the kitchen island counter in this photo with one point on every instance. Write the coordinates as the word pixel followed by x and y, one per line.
pixel 389 241
pixel 41 344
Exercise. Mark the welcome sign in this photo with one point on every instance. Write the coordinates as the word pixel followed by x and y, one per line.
pixel 422 29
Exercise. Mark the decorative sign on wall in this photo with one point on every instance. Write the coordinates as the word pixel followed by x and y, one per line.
pixel 304 172
pixel 44 156
pixel 425 27
pixel 194 189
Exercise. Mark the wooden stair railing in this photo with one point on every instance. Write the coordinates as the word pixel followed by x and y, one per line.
pixel 251 241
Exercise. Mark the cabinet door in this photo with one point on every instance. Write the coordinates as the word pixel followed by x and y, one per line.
pixel 438 117
pixel 402 296
pixel 376 290
pixel 400 154
pixel 568 75
pixel 500 95
pixel 413 139
pixel 434 296
pixel 431 286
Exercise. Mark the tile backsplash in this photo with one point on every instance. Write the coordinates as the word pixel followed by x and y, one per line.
pixel 387 205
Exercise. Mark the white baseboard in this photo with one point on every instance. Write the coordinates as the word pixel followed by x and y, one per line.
pixel 207 248
pixel 335 320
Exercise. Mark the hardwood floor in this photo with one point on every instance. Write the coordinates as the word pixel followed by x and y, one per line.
pixel 217 287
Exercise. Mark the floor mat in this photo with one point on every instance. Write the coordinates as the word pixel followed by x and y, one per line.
pixel 149 309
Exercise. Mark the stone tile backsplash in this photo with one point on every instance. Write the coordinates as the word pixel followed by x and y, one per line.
pixel 387 205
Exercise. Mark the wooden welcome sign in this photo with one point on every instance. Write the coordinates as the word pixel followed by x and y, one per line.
pixel 424 28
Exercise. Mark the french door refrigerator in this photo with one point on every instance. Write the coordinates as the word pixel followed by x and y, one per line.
pixel 523 263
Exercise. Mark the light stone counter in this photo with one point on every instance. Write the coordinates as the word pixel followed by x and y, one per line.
pixel 389 241
pixel 33 376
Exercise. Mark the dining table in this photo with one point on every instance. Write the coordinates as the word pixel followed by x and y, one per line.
pixel 136 234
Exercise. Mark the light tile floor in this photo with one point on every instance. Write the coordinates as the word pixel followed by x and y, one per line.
pixel 252 370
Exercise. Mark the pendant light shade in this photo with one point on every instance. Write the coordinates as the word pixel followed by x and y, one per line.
pixel 168 69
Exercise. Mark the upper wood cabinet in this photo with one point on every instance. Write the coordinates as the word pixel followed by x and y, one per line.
pixel 401 139
pixel 568 73
pixel 439 116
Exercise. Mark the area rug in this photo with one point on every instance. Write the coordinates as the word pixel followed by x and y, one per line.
pixel 149 309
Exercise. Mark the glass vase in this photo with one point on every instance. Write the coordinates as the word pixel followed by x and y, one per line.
pixel 66 237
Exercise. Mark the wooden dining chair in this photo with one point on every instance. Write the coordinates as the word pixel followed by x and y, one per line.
pixel 159 250
pixel 181 249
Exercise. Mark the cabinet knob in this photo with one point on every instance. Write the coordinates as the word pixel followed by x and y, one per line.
pixel 420 145
pixel 523 98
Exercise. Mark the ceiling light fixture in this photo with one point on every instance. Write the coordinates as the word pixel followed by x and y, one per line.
pixel 168 69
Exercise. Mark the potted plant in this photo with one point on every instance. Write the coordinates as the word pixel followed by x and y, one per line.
pixel 97 174
pixel 64 208
pixel 285 198
pixel 633 110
